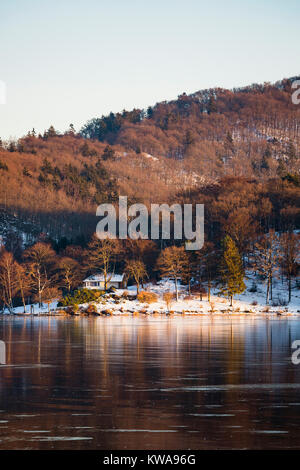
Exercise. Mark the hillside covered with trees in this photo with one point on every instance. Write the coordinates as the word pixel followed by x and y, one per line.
pixel 235 151
pixel 193 145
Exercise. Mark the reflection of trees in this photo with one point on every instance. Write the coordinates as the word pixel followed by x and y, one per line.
pixel 140 373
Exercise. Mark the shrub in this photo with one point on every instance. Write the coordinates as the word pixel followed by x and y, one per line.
pixel 81 296
pixel 168 298
pixel 91 310
pixel 107 312
pixel 147 297
pixel 72 310
pixel 125 295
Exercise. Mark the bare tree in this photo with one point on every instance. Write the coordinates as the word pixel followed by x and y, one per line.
pixel 69 270
pixel 24 282
pixel 41 260
pixel 49 295
pixel 168 298
pixel 266 257
pixel 289 253
pixel 8 279
pixel 102 255
pixel 173 262
pixel 136 269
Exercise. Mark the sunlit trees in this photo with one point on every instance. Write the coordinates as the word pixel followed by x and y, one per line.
pixel 50 295
pixel 69 273
pixel 173 263
pixel 136 270
pixel 168 297
pixel 8 279
pixel 101 255
pixel 24 283
pixel 40 258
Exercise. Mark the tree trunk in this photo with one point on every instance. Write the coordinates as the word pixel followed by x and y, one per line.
pixel 39 289
pixel 176 288
pixel 231 300
pixel 208 291
pixel 271 288
pixel 24 304
pixel 268 291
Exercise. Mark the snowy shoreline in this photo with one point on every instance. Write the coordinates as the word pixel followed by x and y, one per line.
pixel 246 304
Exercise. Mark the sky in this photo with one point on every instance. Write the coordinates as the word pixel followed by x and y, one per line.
pixel 67 61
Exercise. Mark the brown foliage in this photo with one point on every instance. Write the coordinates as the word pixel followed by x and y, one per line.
pixel 147 297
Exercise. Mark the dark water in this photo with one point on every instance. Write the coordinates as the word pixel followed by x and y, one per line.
pixel 149 383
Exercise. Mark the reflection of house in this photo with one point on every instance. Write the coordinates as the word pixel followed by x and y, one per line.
pixel 96 281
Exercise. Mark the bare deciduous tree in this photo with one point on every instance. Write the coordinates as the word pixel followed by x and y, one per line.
pixel 49 295
pixel 136 269
pixel 101 255
pixel 173 262
pixel 24 282
pixel 266 258
pixel 289 252
pixel 69 270
pixel 8 279
pixel 41 258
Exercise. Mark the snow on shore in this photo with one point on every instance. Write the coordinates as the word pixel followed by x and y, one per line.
pixel 247 303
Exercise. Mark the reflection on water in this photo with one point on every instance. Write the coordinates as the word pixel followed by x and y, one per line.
pixel 149 383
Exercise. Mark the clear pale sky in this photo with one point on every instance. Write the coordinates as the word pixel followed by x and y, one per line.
pixel 67 61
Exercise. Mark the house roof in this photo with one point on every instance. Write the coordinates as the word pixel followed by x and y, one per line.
pixel 111 277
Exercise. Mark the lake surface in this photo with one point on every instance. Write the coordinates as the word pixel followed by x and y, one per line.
pixel 126 382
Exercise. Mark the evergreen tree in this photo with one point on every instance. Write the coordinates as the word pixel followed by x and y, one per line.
pixel 108 153
pixel 232 271
pixel 51 132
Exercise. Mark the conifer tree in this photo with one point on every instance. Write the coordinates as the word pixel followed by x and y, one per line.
pixel 232 271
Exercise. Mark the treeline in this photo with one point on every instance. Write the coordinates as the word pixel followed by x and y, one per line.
pixel 214 123
pixel 40 274
pixel 45 271
pixel 54 181
pixel 56 189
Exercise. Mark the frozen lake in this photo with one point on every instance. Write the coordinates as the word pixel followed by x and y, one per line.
pixel 149 382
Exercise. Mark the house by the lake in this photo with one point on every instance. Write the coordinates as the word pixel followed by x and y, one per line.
pixel 96 281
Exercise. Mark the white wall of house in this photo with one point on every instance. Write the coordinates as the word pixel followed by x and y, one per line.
pixel 100 285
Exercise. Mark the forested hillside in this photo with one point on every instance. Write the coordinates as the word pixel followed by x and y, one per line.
pixel 235 150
